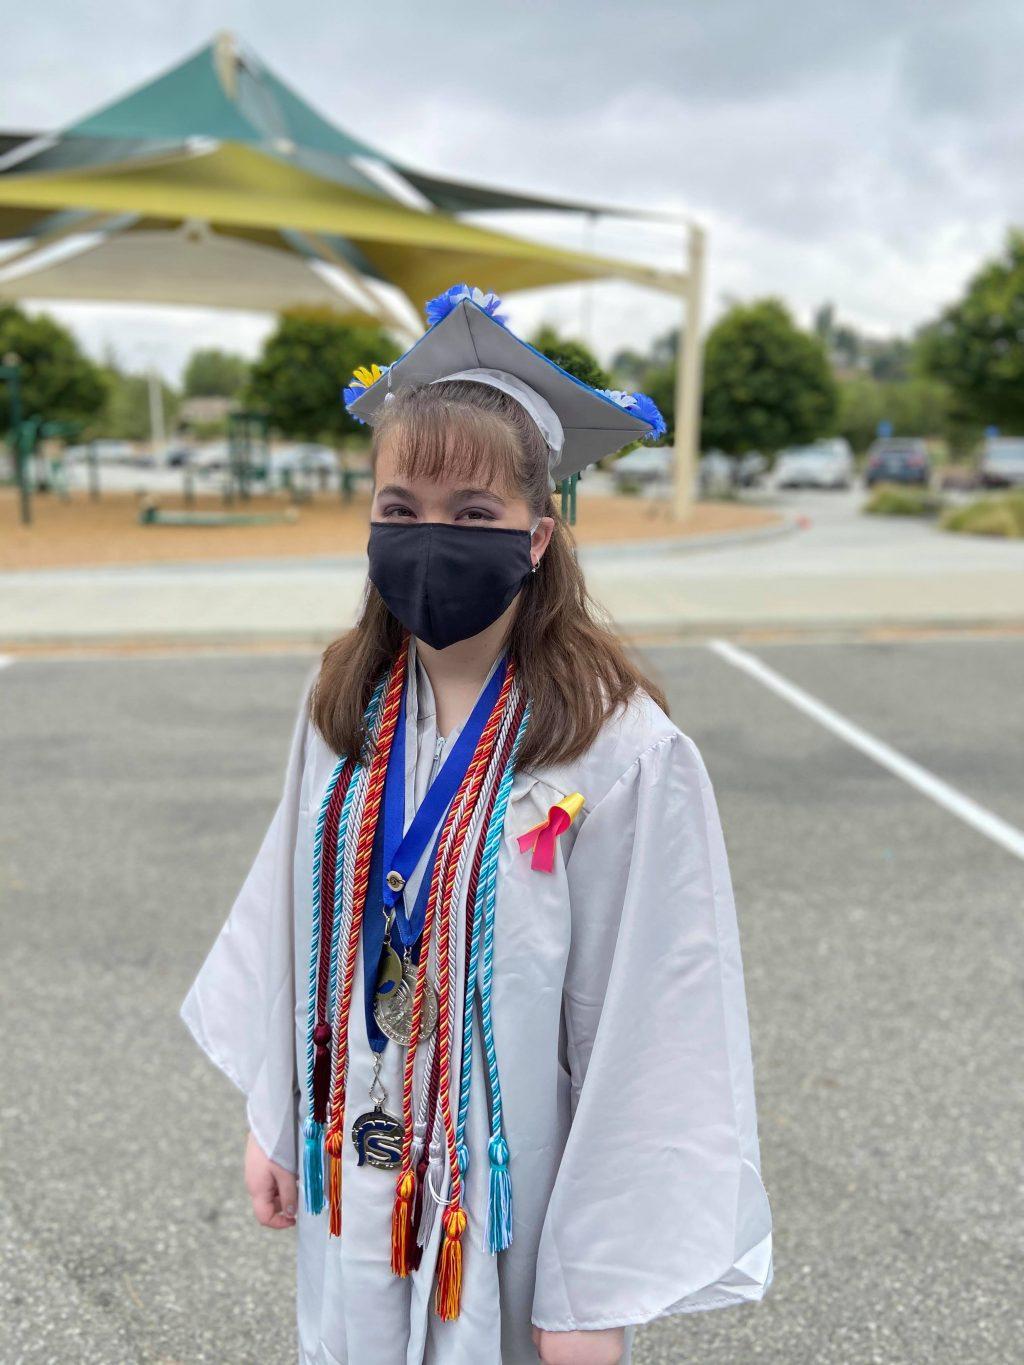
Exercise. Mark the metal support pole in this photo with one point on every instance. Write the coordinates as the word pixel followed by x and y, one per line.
pixel 688 379
pixel 157 431
pixel 11 371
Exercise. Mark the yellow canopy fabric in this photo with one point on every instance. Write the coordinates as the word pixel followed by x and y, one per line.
pixel 236 187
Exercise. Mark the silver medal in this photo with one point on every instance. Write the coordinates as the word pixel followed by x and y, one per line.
pixel 393 1011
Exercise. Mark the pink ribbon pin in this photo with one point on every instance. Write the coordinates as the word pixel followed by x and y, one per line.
pixel 541 838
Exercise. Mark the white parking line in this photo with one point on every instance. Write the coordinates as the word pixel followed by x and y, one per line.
pixel 994 828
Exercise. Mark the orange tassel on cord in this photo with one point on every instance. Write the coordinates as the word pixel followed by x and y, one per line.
pixel 333 1144
pixel 401 1224
pixel 449 1274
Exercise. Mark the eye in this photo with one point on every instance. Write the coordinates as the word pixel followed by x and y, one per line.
pixel 397 510
pixel 477 514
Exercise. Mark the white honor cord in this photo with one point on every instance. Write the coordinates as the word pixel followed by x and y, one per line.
pixel 438 1141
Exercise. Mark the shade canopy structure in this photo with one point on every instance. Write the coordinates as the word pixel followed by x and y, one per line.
pixel 217 184
pixel 225 92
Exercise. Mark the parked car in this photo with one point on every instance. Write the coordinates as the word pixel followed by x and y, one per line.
pixel 750 468
pixel 645 465
pixel 716 472
pixel 303 459
pixel 211 457
pixel 823 464
pixel 104 451
pixel 1002 462
pixel 897 459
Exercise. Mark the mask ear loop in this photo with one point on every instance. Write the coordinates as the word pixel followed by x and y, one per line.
pixel 532 529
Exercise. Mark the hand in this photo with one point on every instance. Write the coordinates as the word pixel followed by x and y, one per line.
pixel 273 1190
pixel 580 1348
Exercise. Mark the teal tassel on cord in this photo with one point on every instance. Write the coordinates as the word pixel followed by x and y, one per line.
pixel 313 1166
pixel 499 1200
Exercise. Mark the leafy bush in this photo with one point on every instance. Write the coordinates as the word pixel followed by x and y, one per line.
pixel 897 500
pixel 1002 515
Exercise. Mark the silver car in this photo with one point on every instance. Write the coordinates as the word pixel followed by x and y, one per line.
pixel 823 464
pixel 1002 462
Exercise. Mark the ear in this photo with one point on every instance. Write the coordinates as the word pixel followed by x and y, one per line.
pixel 541 538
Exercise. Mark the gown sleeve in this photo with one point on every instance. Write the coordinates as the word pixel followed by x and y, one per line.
pixel 241 1006
pixel 657 1205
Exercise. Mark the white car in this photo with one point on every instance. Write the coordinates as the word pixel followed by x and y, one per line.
pixel 303 459
pixel 104 452
pixel 644 465
pixel 823 464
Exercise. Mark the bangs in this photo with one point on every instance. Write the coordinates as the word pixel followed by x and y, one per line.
pixel 443 438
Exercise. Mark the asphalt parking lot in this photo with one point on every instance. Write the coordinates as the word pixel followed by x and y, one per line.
pixel 881 938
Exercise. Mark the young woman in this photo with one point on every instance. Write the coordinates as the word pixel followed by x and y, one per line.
pixel 482 986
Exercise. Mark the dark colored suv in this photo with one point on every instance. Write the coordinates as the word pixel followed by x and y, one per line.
pixel 898 459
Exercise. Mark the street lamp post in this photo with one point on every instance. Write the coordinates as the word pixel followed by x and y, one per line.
pixel 11 371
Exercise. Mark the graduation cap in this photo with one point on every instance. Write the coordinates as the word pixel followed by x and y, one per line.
pixel 468 338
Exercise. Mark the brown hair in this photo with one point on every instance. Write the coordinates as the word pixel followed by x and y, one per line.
pixel 573 667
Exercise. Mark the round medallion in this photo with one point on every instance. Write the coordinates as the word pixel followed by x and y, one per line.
pixel 393 1012
pixel 395 880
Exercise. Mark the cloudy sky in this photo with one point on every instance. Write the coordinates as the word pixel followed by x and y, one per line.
pixel 868 153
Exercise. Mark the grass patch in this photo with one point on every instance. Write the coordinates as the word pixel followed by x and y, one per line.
pixel 899 500
pixel 1001 515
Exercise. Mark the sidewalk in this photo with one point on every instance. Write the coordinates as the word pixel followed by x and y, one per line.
pixel 846 572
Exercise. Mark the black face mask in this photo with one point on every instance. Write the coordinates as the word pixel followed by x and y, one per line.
pixel 447 581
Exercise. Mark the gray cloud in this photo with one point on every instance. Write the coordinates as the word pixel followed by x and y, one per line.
pixel 865 152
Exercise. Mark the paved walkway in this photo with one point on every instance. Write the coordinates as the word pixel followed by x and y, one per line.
pixel 844 570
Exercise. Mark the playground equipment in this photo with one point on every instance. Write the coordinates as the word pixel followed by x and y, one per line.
pixel 248 453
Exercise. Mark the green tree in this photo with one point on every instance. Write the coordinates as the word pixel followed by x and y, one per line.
pixel 766 383
pixel 573 356
pixel 305 364
pixel 653 374
pixel 125 415
pixel 57 381
pixel 976 346
pixel 211 373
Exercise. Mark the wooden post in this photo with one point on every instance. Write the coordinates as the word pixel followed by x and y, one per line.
pixel 688 379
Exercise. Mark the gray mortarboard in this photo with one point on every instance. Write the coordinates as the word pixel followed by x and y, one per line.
pixel 468 339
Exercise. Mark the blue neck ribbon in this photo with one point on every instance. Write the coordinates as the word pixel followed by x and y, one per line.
pixel 394 851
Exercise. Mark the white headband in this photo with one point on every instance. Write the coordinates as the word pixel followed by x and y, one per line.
pixel 535 404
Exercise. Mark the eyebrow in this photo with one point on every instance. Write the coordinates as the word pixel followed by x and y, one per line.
pixel 396 490
pixel 478 492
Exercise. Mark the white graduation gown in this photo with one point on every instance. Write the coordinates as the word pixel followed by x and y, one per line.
pixel 621 1031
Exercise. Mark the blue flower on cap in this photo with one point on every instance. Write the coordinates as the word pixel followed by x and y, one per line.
pixel 439 308
pixel 642 406
pixel 364 376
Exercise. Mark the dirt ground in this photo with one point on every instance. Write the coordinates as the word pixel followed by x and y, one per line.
pixel 80 533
